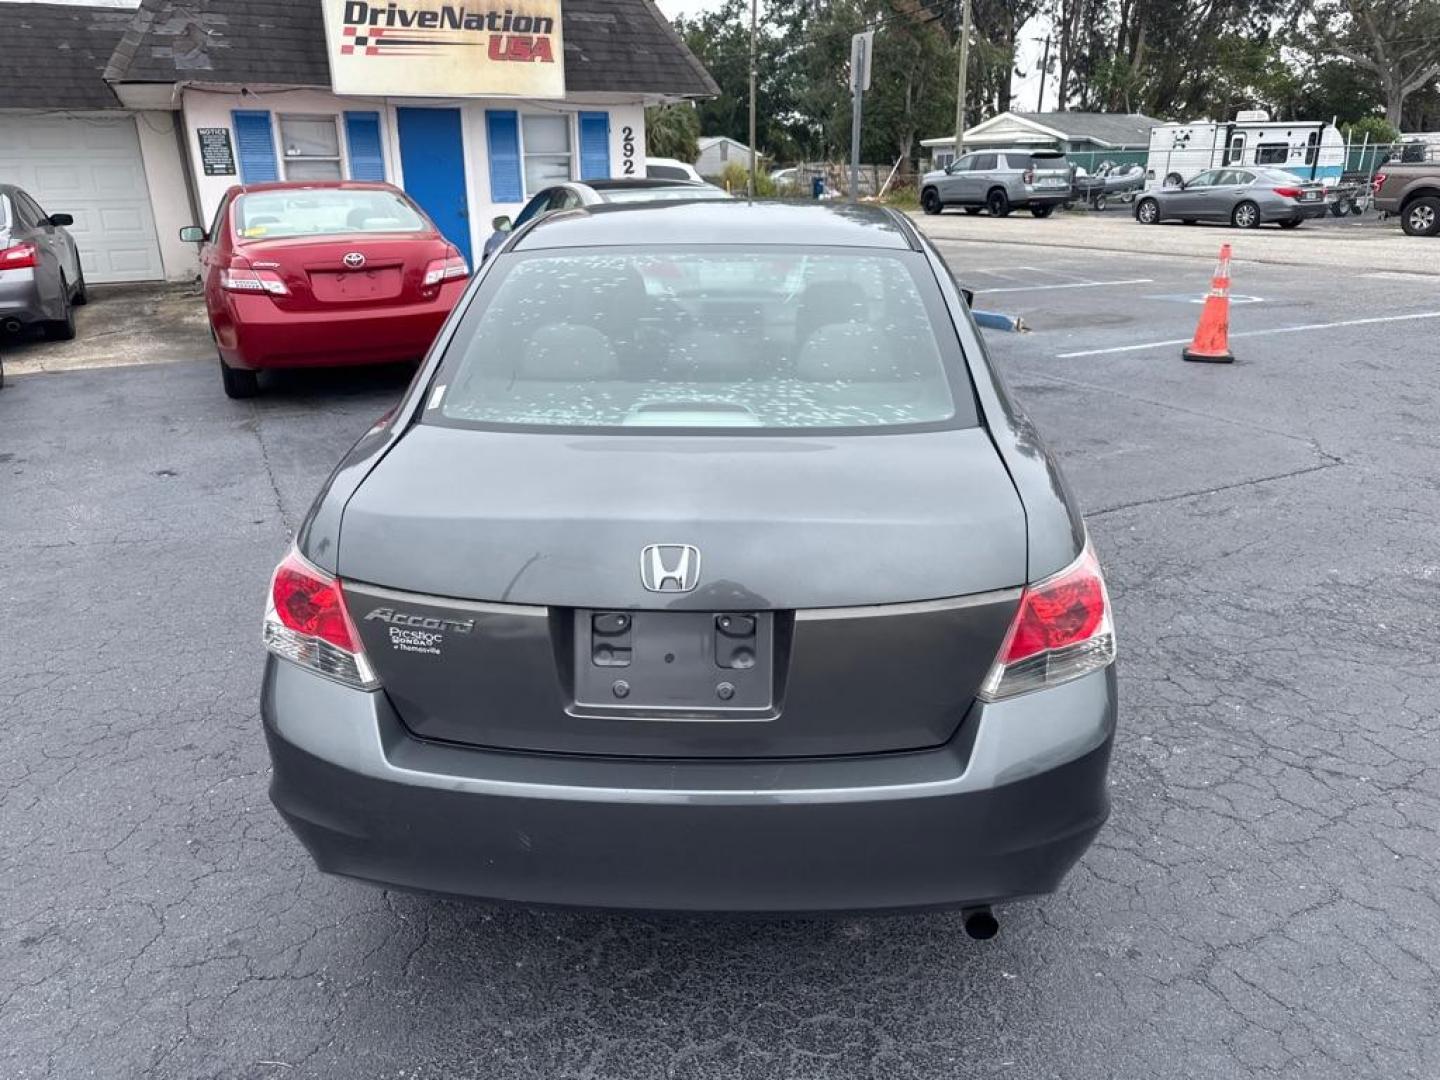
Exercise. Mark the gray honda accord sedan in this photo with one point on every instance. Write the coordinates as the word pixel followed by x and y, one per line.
pixel 705 565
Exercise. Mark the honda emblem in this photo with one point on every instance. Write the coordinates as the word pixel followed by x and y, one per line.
pixel 670 567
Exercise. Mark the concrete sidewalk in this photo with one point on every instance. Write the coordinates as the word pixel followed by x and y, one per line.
pixel 1340 246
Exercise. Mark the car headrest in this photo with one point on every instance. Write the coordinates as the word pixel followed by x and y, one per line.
pixel 564 351
pixel 848 351
pixel 826 302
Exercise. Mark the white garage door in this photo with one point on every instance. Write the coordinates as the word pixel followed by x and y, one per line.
pixel 89 167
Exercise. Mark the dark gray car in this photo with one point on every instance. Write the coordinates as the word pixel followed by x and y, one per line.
pixel 706 564
pixel 41 279
pixel 1246 198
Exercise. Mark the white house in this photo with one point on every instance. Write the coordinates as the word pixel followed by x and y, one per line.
pixel 717 151
pixel 470 108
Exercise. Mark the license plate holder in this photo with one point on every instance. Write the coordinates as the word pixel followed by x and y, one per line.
pixel 675 663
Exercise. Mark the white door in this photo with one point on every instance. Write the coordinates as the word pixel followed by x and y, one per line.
pixel 89 167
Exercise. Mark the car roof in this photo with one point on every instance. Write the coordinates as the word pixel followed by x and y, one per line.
pixel 620 183
pixel 741 222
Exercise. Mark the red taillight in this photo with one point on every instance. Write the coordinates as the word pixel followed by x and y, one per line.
pixel 452 266
pixel 1062 630
pixel 1288 192
pixel 306 623
pixel 240 276
pixel 19 256
pixel 1379 182
pixel 1028 176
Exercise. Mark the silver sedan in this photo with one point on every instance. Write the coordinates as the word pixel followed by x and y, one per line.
pixel 41 280
pixel 1245 198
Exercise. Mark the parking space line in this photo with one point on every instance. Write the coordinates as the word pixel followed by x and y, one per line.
pixel 1070 285
pixel 1258 333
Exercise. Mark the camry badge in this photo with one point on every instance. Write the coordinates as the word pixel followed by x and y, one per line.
pixel 670 567
pixel 354 260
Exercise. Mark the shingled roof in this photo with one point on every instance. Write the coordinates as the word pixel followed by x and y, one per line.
pixel 52 55
pixel 610 46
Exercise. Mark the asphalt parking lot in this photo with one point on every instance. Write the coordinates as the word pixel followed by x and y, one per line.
pixel 1262 904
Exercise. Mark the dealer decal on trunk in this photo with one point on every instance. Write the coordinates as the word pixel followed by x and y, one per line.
pixel 418 633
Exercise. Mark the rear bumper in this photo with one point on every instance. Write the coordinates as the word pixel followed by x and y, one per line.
pixel 1301 211
pixel 20 297
pixel 253 333
pixel 1044 198
pixel 1001 812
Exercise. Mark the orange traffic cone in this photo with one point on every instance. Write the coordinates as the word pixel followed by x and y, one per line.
pixel 1212 336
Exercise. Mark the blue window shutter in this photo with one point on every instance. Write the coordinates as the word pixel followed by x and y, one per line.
pixel 362 134
pixel 594 145
pixel 255 145
pixel 502 130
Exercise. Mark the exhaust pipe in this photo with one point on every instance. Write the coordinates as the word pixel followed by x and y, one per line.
pixel 12 326
pixel 980 923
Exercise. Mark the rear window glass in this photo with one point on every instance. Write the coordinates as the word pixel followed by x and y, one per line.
pixel 265 215
pixel 667 339
pixel 666 172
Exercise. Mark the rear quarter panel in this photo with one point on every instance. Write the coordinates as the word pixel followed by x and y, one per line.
pixel 1054 528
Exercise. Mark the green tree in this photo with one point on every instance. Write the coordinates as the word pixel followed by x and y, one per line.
pixel 673 131
pixel 1396 41
pixel 720 39
pixel 1371 129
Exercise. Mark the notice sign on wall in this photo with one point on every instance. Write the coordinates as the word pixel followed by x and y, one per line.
pixel 445 48
pixel 217 153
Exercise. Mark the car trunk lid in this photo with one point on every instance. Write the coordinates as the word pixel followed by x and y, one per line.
pixel 849 594
pixel 346 272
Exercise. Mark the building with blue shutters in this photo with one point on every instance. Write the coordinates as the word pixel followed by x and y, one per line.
pixel 471 107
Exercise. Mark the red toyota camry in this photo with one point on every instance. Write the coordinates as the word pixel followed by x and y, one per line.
pixel 319 274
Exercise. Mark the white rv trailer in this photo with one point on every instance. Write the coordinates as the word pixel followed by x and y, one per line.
pixel 1311 149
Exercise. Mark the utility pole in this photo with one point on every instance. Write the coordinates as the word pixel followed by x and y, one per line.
pixel 1044 69
pixel 862 45
pixel 754 150
pixel 960 91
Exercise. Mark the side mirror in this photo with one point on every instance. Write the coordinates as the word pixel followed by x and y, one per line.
pixel 192 234
pixel 502 223
pixel 969 295
pixel 60 220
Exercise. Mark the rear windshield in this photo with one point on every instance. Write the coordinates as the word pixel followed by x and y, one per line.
pixel 666 172
pixel 673 339
pixel 265 215
pixel 1044 161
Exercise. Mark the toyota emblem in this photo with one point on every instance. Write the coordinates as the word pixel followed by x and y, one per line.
pixel 354 260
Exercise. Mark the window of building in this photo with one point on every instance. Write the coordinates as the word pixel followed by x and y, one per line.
pixel 310 146
pixel 545 139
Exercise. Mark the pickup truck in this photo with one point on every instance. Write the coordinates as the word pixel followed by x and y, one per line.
pixel 1412 190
